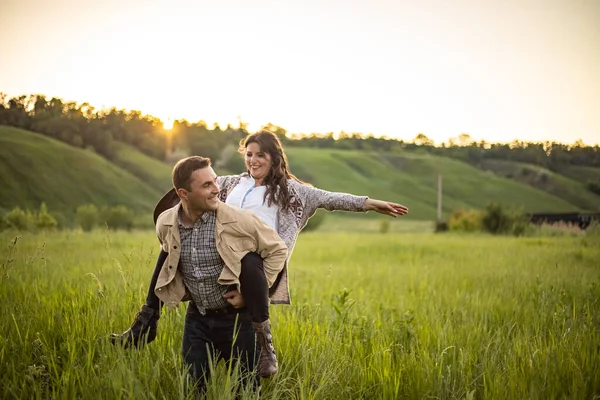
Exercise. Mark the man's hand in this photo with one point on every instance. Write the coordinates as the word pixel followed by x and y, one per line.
pixel 234 298
pixel 385 207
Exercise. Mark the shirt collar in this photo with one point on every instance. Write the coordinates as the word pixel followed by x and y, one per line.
pixel 202 220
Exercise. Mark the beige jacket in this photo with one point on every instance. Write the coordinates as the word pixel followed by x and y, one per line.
pixel 238 232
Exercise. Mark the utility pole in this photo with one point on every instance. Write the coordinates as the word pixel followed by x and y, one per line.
pixel 439 203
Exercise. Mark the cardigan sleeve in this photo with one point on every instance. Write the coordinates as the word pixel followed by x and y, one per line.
pixel 313 198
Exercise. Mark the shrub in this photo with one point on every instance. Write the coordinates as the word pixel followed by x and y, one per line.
pixel 441 226
pixel 495 220
pixel 19 219
pixel 593 187
pixel 87 217
pixel 520 224
pixel 119 217
pixel 465 220
pixel 44 220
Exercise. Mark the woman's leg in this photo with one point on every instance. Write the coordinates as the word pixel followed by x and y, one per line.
pixel 255 291
pixel 145 324
pixel 255 288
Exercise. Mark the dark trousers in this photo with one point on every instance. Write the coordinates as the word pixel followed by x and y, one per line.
pixel 253 283
pixel 229 337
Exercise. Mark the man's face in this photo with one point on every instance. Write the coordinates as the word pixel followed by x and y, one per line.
pixel 204 191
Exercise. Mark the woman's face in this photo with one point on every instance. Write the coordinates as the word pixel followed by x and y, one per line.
pixel 257 162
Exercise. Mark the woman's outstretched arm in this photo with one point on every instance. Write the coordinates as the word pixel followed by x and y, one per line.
pixel 385 207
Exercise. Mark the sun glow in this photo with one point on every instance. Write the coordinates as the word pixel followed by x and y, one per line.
pixel 168 124
pixel 364 71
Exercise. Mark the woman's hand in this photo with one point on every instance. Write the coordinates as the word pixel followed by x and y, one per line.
pixel 234 298
pixel 385 207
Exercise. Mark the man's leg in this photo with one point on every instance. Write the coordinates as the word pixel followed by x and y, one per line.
pixel 145 324
pixel 235 340
pixel 255 290
pixel 197 348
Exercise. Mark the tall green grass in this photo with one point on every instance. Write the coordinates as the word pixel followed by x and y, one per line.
pixel 374 316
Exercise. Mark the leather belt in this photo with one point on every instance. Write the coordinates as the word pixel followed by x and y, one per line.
pixel 224 311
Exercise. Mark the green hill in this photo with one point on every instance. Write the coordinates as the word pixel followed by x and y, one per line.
pixel 150 170
pixel 36 169
pixel 571 190
pixel 411 179
pixel 581 174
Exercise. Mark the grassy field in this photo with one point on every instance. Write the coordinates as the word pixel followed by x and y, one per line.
pixel 375 316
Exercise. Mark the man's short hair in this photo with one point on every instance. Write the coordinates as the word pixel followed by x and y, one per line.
pixel 182 171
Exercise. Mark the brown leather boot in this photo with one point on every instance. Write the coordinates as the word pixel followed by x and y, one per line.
pixel 142 331
pixel 267 363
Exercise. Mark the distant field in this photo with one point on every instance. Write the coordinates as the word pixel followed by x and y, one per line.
pixel 374 316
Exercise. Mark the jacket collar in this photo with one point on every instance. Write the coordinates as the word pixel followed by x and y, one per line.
pixel 171 218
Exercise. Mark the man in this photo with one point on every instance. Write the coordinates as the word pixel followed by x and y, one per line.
pixel 203 242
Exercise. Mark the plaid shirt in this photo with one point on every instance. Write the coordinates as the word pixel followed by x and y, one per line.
pixel 200 262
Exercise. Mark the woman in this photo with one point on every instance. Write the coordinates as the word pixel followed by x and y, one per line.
pixel 285 204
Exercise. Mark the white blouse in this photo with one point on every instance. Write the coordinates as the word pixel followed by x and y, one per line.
pixel 250 198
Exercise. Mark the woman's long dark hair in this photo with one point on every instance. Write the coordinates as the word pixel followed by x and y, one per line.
pixel 276 180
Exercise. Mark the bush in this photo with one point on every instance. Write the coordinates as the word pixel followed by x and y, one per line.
pixel 19 219
pixel 87 217
pixel 520 224
pixel 465 220
pixel 44 220
pixel 593 187
pixel 315 221
pixel 441 226
pixel 495 220
pixel 119 217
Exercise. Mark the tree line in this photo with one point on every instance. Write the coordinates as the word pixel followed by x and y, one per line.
pixel 82 125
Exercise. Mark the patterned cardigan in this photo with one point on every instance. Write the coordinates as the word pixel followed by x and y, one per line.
pixel 304 202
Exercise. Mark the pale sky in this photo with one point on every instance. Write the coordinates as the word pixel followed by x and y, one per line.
pixel 496 69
